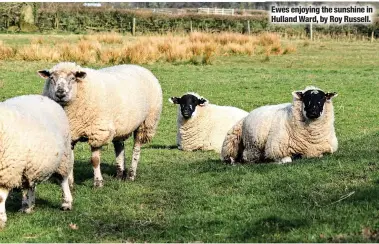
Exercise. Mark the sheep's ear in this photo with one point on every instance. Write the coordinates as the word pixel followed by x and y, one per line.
pixel 297 94
pixel 330 95
pixel 44 73
pixel 80 74
pixel 174 100
pixel 203 101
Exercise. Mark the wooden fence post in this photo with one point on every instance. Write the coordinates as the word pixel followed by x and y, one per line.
pixel 134 27
pixel 248 27
pixel 191 25
pixel 311 30
pixel 372 35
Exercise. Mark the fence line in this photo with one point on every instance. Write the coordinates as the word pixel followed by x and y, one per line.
pixel 221 11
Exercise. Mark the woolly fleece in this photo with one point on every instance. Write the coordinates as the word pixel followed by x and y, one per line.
pixel 276 132
pixel 111 103
pixel 208 126
pixel 35 141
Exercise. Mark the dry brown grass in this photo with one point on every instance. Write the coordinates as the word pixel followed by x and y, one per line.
pixel 36 52
pixel 267 39
pixel 289 49
pixel 105 37
pixel 198 48
pixel 37 40
pixel 6 52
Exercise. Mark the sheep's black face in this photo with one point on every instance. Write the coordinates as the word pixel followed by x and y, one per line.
pixel 313 102
pixel 62 85
pixel 188 104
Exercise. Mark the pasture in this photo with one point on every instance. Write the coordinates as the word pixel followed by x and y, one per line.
pixel 192 196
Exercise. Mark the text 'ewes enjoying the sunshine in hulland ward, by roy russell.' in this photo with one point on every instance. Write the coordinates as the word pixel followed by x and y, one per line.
pixel 322 14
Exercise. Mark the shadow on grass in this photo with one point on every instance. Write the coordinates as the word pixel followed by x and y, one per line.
pixel 13 203
pixel 265 229
pixel 83 171
pixel 215 165
pixel 170 147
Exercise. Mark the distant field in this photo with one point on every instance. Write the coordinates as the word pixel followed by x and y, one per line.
pixel 192 196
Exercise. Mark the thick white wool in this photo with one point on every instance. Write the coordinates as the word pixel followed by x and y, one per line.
pixel 207 127
pixel 278 132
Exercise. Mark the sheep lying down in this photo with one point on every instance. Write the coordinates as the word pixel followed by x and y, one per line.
pixel 35 143
pixel 201 125
pixel 281 132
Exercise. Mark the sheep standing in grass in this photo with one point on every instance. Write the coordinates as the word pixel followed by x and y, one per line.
pixel 35 143
pixel 107 105
pixel 203 126
pixel 279 132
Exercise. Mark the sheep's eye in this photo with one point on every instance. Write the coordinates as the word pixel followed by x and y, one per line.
pixel 72 78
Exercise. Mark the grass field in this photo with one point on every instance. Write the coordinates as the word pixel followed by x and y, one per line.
pixel 192 196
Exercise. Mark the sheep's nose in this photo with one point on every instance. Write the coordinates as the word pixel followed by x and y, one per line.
pixel 186 112
pixel 60 93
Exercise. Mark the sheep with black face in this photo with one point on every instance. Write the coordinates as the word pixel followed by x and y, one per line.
pixel 280 132
pixel 201 125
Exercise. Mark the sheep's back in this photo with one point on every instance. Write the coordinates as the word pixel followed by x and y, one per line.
pixel 258 124
pixel 34 137
pixel 130 92
pixel 223 119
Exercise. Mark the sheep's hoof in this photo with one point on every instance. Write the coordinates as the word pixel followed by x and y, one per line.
pixel 121 175
pixel 27 210
pixel 66 206
pixel 3 220
pixel 131 175
pixel 98 183
pixel 131 178
pixel 2 224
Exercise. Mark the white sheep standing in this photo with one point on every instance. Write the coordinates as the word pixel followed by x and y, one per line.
pixel 201 125
pixel 35 143
pixel 107 105
pixel 279 132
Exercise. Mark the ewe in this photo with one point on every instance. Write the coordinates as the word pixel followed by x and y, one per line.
pixel 107 105
pixel 279 132
pixel 35 143
pixel 203 126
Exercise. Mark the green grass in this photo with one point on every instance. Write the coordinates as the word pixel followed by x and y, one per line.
pixel 192 196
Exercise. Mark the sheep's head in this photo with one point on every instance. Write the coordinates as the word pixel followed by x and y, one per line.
pixel 62 81
pixel 313 100
pixel 188 103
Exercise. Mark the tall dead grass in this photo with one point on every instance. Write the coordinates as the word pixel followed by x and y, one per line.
pixel 105 37
pixel 197 48
pixel 6 52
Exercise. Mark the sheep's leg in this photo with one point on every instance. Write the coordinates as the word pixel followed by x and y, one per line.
pixel 71 174
pixel 66 194
pixel 95 160
pixel 284 160
pixel 135 159
pixel 120 158
pixel 71 179
pixel 28 199
pixel 142 135
pixel 3 215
